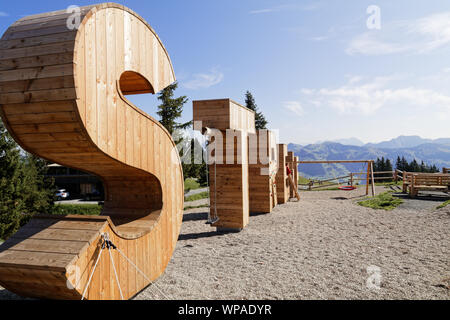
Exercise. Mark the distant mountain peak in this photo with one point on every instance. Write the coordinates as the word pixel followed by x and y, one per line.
pixel 407 142
pixel 350 142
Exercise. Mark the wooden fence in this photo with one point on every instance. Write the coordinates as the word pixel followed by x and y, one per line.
pixel 353 177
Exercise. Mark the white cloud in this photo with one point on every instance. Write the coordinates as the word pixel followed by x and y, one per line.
pixel 380 92
pixel 309 7
pixel 204 80
pixel 263 11
pixel 294 107
pixel 319 38
pixel 3 14
pixel 354 79
pixel 418 36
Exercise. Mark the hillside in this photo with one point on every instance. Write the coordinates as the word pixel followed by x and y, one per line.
pixel 430 153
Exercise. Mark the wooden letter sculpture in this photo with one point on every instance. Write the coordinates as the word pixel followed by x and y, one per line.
pixel 62 98
pixel 282 178
pixel 228 172
pixel 263 165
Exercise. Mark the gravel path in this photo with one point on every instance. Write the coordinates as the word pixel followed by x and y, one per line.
pixel 195 191
pixel 319 248
pixel 324 247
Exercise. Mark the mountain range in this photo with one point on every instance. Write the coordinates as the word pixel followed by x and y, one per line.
pixel 432 152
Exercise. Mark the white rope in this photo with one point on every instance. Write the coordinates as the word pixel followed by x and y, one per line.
pixel 108 243
pixel 115 272
pixel 143 274
pixel 92 273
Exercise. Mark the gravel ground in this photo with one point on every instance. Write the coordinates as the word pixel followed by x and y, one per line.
pixel 324 247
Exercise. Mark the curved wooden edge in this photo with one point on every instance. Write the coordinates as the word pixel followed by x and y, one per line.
pixel 119 6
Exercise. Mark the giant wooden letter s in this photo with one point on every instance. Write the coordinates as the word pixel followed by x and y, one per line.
pixel 62 97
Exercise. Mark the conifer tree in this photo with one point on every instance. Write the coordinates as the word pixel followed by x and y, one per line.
pixel 24 190
pixel 171 109
pixel 260 120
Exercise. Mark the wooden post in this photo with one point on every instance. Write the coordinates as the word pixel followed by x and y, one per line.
pixel 367 178
pixel 373 180
pixel 351 179
pixel 281 178
pixel 296 172
pixel 290 163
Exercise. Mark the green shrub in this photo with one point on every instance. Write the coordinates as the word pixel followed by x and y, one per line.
pixel 190 184
pixel 385 201
pixel 77 209
pixel 198 196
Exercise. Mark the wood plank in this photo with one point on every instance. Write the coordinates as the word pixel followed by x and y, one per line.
pixel 36 61
pixel 45 49
pixel 56 234
pixel 44 245
pixel 38 260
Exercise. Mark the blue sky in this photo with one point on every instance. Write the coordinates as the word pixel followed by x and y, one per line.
pixel 316 70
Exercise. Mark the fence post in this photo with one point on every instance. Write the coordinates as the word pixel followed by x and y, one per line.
pixel 367 178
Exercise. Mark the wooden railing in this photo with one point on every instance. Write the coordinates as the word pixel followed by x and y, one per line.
pixel 353 177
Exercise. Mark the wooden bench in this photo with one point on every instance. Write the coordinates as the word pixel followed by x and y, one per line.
pixel 407 176
pixel 428 181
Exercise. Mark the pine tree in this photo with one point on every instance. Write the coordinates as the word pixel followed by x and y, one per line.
pixel 39 190
pixel 423 167
pixel 11 185
pixel 389 165
pixel 171 109
pixel 260 120
pixel 398 164
pixel 24 190
pixel 405 165
pixel 414 166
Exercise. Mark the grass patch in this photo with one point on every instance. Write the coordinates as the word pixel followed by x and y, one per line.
pixel 443 205
pixel 190 184
pixel 303 180
pixel 384 201
pixel 196 207
pixel 77 209
pixel 390 183
pixel 198 196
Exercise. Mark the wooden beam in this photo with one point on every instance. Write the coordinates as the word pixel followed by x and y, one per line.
pixel 333 161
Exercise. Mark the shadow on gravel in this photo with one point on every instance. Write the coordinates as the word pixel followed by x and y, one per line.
pixel 424 197
pixel 193 236
pixel 197 216
pixel 424 201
